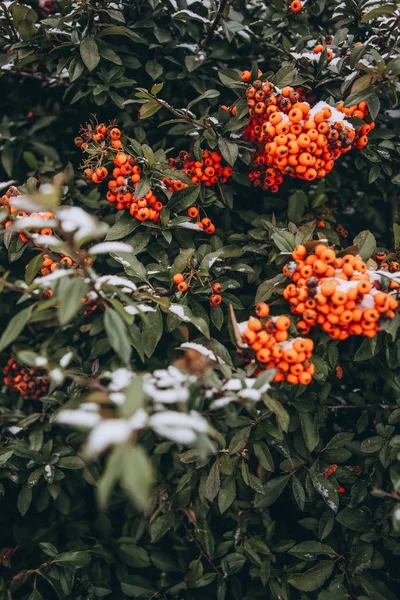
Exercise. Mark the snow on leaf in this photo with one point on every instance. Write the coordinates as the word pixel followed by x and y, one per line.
pixel 106 247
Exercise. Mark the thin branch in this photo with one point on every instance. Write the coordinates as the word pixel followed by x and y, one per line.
pixel 180 114
pixel 11 286
pixel 214 25
pixel 383 494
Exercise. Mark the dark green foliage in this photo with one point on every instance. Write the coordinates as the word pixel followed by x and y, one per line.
pixel 246 511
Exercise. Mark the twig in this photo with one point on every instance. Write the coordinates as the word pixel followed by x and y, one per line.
pixel 214 24
pixel 383 494
pixel 203 554
pixel 178 113
pixel 51 81
pixel 11 286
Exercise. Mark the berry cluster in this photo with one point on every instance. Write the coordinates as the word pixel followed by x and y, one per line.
pixel 294 138
pixel 337 294
pixel 183 283
pixel 126 173
pixel 319 48
pixel 49 265
pixel 208 170
pixel 268 337
pixel 6 203
pixel 109 135
pixel 30 383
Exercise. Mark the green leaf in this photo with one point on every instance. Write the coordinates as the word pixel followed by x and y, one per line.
pixel 272 490
pixel 268 287
pixel 367 244
pixel 239 440
pixel 385 9
pixel 70 294
pixel 24 499
pixel 77 559
pixel 137 476
pixel 160 526
pixel 117 334
pixel 148 109
pixel 15 327
pixel 353 518
pixel 33 267
pixel 298 492
pixel 264 456
pixel 311 550
pixel 131 264
pixel 284 76
pixel 70 462
pixel 227 494
pixel 310 431
pixel 152 332
pixel 7 159
pixel 206 94
pixel 282 416
pixel 314 578
pixel 396 235
pixel 48 549
pixel 154 69
pixel 325 488
pixel 110 55
pixel 213 482
pixel 183 198
pixel 89 52
pixel 110 476
pixel 229 150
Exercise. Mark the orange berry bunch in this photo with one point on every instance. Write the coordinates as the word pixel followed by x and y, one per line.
pixel 388 265
pixel 208 170
pixel 121 188
pixel 6 203
pixel 50 265
pixel 337 294
pixel 30 383
pixel 268 337
pixel 179 279
pixel 216 298
pixel 293 138
pixel 319 48
pixel 109 135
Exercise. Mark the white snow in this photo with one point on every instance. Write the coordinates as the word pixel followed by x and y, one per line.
pixel 179 427
pixel 115 280
pixel 106 247
pixel 119 379
pixel 200 348
pixel 74 219
pixel 57 376
pixel 65 360
pixel 40 361
pixel 178 310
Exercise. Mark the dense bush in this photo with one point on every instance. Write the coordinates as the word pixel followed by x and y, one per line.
pixel 155 443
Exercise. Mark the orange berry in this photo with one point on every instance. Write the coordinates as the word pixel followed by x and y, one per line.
pixel 178 278
pixel 193 212
pixel 262 309
pixel 115 133
pixel 182 286
pixel 217 287
pixel 282 323
pixel 215 299
pixel 296 6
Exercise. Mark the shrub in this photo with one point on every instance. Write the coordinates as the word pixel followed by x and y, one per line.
pixel 199 316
